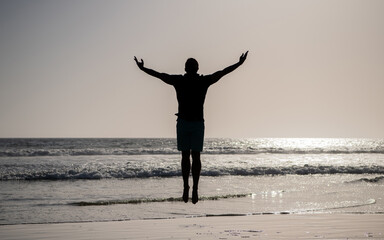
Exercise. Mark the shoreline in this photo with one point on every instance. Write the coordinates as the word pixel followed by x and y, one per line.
pixel 280 226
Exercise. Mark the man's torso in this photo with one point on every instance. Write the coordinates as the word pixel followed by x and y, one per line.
pixel 191 92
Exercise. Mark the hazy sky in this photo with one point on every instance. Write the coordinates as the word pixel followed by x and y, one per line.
pixel 315 68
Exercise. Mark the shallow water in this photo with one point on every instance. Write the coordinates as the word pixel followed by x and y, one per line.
pixel 55 201
pixel 75 180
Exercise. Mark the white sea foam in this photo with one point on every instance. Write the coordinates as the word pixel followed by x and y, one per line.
pixel 145 166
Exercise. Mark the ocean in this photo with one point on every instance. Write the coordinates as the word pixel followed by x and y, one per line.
pixel 114 179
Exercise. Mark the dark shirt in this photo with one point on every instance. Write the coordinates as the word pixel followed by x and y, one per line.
pixel 191 90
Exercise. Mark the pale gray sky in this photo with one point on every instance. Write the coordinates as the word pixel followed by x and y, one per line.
pixel 315 68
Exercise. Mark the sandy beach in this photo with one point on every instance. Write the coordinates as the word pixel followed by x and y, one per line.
pixel 305 226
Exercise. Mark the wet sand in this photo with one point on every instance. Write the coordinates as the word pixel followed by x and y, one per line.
pixel 292 226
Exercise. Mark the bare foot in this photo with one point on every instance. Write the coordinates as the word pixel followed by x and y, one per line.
pixel 186 194
pixel 195 197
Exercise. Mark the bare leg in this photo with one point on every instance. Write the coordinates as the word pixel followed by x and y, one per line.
pixel 196 168
pixel 185 169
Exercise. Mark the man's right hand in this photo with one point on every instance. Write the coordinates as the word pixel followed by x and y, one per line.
pixel 139 64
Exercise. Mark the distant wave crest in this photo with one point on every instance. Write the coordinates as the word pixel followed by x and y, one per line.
pixel 164 146
pixel 83 152
pixel 151 151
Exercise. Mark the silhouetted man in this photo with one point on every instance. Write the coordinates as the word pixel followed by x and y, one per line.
pixel 191 89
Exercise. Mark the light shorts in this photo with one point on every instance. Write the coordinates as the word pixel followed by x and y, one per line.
pixel 190 135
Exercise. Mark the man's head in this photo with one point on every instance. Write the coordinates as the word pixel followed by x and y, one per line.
pixel 191 66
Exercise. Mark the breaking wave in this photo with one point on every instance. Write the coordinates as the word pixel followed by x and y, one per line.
pixel 106 172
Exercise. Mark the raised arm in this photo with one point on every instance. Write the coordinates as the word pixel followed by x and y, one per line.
pixel 163 76
pixel 219 74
